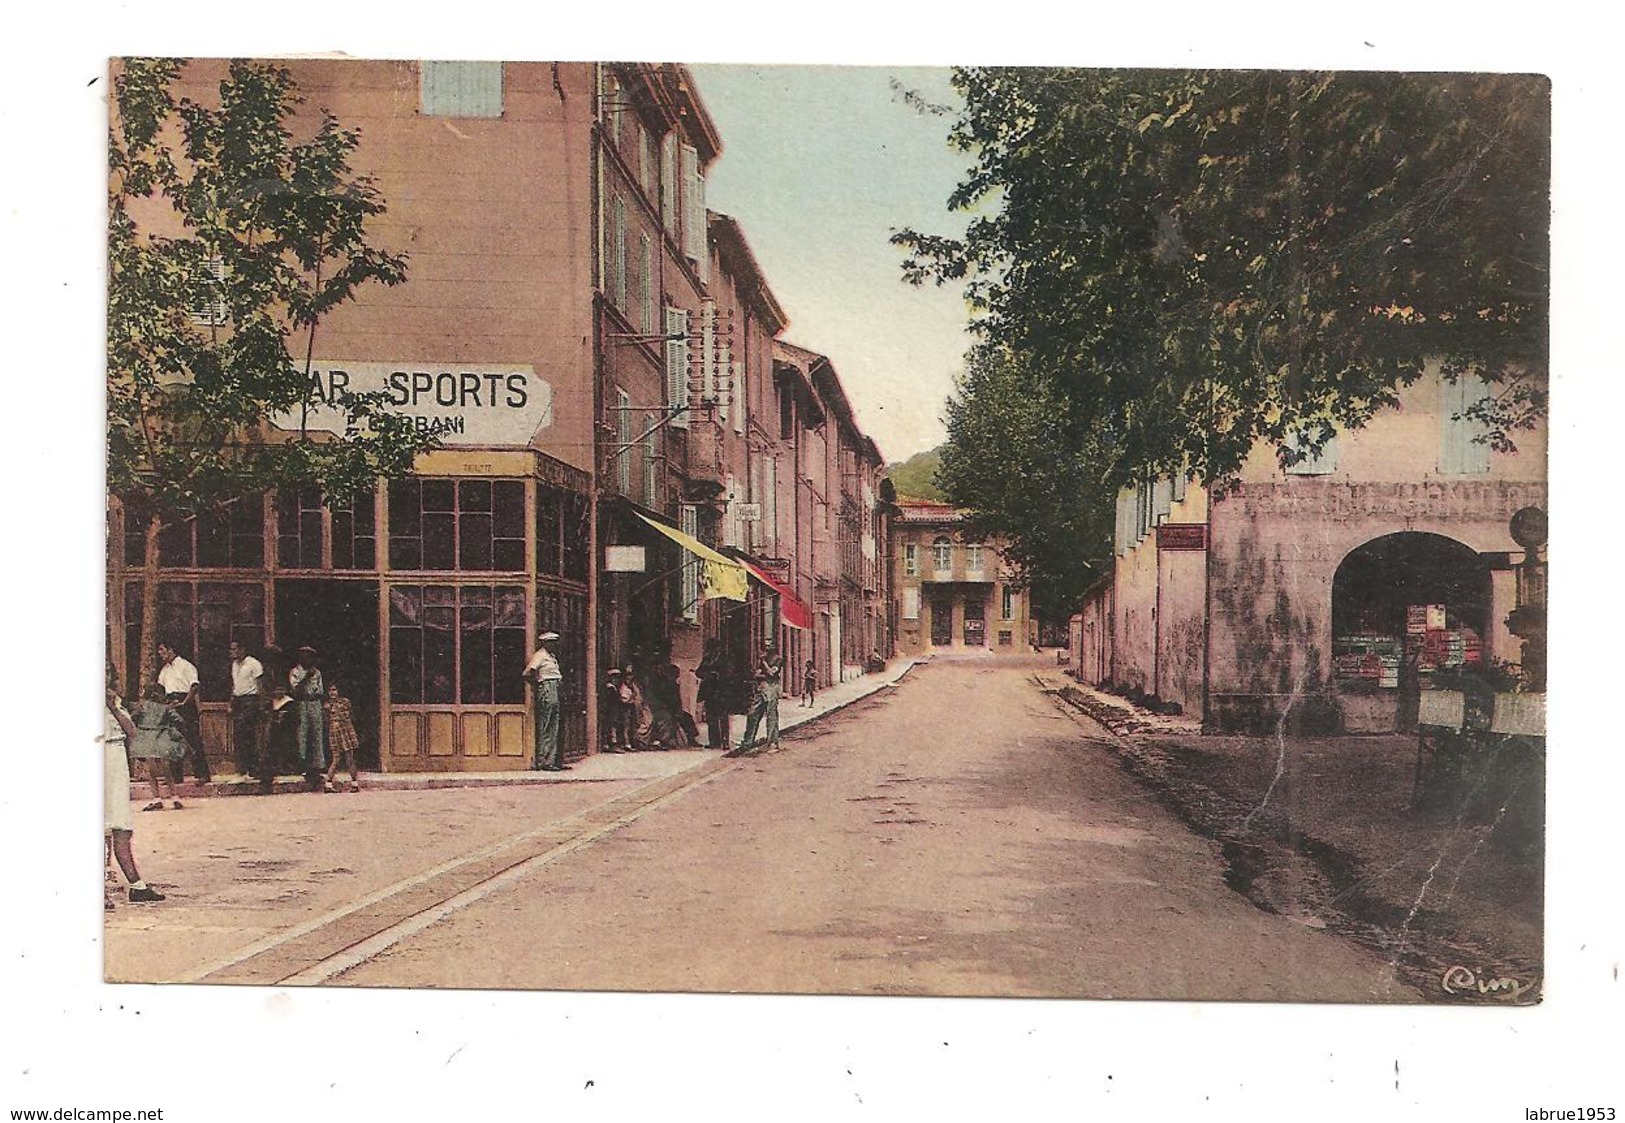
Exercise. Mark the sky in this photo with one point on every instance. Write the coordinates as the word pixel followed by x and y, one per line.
pixel 821 164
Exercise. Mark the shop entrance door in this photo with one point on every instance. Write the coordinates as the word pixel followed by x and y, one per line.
pixel 340 620
pixel 975 622
pixel 942 619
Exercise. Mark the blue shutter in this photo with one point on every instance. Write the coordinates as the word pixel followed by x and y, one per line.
pixel 461 89
pixel 1459 452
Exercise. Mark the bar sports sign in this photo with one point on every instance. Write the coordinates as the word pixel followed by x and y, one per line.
pixel 463 404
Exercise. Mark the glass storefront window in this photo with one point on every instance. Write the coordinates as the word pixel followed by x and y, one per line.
pixel 449 644
pixel 471 524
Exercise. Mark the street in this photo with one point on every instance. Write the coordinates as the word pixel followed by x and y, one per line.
pixel 960 834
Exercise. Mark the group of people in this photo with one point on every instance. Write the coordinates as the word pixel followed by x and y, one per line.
pixel 287 721
pixel 642 710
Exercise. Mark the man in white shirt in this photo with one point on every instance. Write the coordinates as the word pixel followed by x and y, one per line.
pixel 179 679
pixel 543 673
pixel 247 705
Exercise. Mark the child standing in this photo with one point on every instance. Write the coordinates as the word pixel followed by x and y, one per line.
pixel 342 741
pixel 809 683
pixel 158 741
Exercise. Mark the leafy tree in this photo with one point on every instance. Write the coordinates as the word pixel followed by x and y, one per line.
pixel 229 240
pixel 1196 261
pixel 1013 462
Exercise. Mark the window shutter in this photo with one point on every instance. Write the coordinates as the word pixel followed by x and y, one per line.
pixel 1162 500
pixel 212 312
pixel 646 270
pixel 677 365
pixel 730 520
pixel 1459 452
pixel 911 604
pixel 736 395
pixel 651 469
pixel 694 240
pixel 617 256
pixel 670 186
pixel 1180 482
pixel 623 441
pixel 460 89
pixel 689 523
pixel 773 501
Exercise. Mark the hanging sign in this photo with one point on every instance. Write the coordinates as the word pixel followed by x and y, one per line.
pixel 462 404
pixel 624 559
pixel 1182 536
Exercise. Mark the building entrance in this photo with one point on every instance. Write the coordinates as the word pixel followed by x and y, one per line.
pixel 340 620
pixel 1407 609
pixel 942 619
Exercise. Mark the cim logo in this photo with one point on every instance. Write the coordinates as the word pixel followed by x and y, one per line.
pixel 484 404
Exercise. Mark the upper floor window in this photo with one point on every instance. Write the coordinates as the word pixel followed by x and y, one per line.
pixel 1007 604
pixel 460 89
pixel 1463 449
pixel 210 309
pixel 438 524
pixel 973 558
pixel 911 560
pixel 1322 462
pixel 942 554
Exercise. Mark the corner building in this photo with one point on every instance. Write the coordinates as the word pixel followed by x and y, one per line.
pixel 591 345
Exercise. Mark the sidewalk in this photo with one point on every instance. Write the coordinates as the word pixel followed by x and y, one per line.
pixel 246 874
pixel 1323 829
pixel 595 768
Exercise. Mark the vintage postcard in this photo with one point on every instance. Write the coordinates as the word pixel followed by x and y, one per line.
pixel 1018 532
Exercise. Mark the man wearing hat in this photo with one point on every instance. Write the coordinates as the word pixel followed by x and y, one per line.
pixel 305 688
pixel 543 673
pixel 769 676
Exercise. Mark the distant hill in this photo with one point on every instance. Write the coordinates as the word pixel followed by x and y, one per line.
pixel 916 477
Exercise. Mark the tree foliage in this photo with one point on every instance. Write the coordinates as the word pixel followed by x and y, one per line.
pixel 229 240
pixel 1012 463
pixel 916 477
pixel 1191 262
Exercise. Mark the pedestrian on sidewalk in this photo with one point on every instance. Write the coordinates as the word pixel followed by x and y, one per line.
pixel 159 741
pixel 306 689
pixel 342 741
pixel 179 679
pixel 634 710
pixel 247 709
pixel 715 694
pixel 118 730
pixel 544 675
pixel 809 683
pixel 765 703
pixel 665 699
pixel 609 706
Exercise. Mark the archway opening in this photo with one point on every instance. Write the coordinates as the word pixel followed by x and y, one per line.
pixel 1407 609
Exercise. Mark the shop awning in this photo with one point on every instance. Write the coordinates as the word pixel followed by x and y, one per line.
pixel 792 611
pixel 719 576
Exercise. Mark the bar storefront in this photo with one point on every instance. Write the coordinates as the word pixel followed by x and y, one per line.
pixel 423 598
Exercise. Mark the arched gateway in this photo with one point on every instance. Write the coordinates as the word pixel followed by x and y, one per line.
pixel 1407 608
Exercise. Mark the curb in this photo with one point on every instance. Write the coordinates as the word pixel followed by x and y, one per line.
pixel 410 781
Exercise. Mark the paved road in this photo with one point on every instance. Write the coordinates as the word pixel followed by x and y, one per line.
pixel 959 835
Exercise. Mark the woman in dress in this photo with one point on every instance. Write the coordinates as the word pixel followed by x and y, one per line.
pixel 159 742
